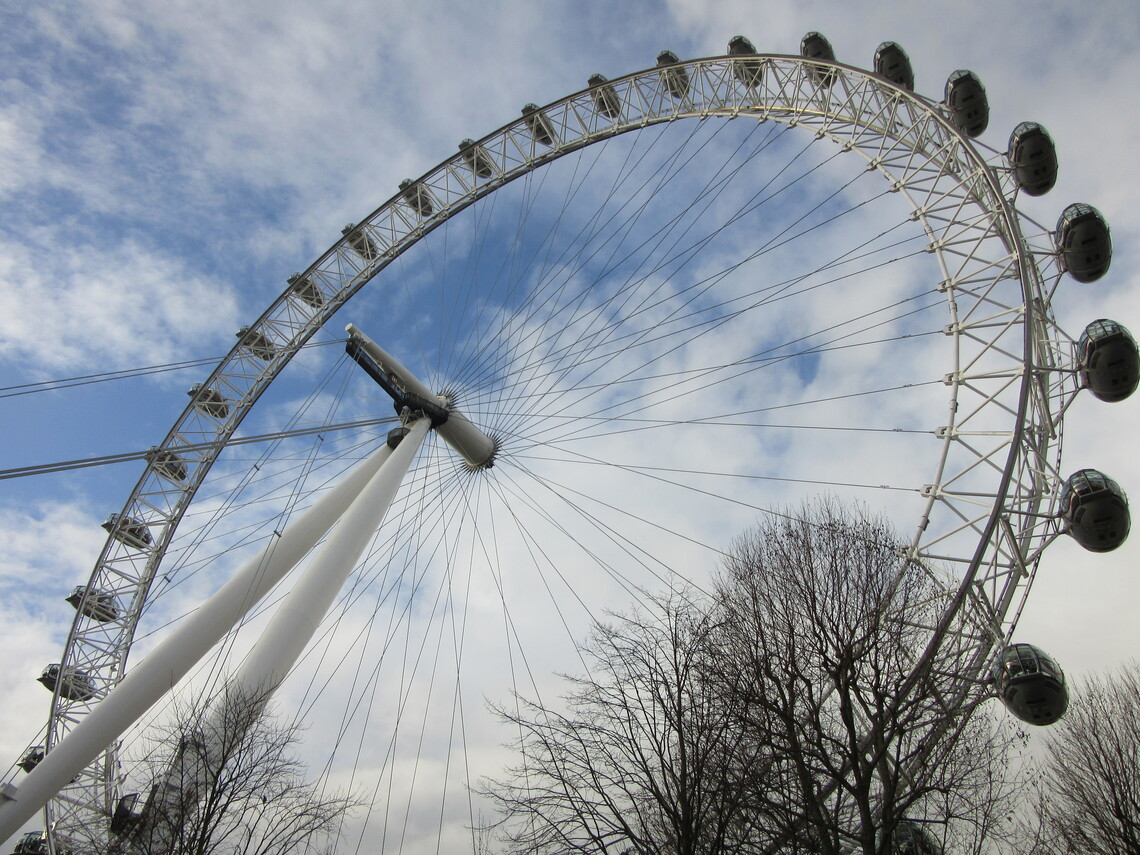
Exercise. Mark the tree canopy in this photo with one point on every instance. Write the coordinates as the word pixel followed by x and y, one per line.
pixel 1090 778
pixel 785 713
pixel 223 780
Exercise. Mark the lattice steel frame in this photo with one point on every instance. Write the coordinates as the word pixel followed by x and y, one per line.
pixel 990 503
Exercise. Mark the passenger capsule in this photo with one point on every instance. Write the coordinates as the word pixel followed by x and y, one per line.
pixel 31 843
pixel 209 401
pixel 31 758
pixel 477 158
pixel 538 124
pixel 256 343
pixel 911 838
pixel 97 605
pixel 1031 685
pixel 673 76
pixel 1095 510
pixel 606 99
pixel 815 46
pixel 360 242
pixel 1033 157
pixel 127 530
pixel 167 463
pixel 73 684
pixel 967 102
pixel 304 290
pixel 396 435
pixel 748 71
pixel 125 817
pixel 1109 361
pixel 892 63
pixel 1084 243
pixel 417 197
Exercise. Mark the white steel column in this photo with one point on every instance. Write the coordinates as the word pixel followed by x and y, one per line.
pixel 297 617
pixel 181 650
pixel 289 632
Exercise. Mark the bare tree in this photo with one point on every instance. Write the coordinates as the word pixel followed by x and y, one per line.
pixel 778 717
pixel 822 621
pixel 1090 781
pixel 644 757
pixel 224 781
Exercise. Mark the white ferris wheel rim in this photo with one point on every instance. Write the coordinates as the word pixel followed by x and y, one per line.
pixel 956 195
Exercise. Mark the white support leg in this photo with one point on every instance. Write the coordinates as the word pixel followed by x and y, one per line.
pixel 170 661
pixel 299 614
pixel 295 623
pixel 280 645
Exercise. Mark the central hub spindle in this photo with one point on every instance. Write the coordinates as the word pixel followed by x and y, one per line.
pixel 408 392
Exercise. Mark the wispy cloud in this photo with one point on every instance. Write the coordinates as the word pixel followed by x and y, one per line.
pixel 166 166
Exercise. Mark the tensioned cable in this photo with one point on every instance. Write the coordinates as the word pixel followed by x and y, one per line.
pixel 717 182
pixel 200 543
pixel 123 374
pixel 435 532
pixel 128 456
pixel 560 492
pixel 268 605
pixel 421 516
pixel 399 621
pixel 696 379
pixel 420 493
pixel 836 261
pixel 633 423
pixel 104 377
pixel 616 302
pixel 571 255
pixel 760 359
pixel 775 292
pixel 421 648
pixel 550 561
pixel 574 246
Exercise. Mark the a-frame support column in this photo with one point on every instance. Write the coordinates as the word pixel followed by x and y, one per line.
pixel 168 663
pixel 289 632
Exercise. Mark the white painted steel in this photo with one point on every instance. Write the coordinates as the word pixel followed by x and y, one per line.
pixel 179 652
pixel 962 200
pixel 291 628
pixel 299 615
pixel 468 441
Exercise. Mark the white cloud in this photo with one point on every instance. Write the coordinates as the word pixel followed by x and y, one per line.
pixel 69 307
pixel 19 142
pixel 163 184
pixel 47 551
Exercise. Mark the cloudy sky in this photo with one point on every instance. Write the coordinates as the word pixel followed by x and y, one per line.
pixel 165 167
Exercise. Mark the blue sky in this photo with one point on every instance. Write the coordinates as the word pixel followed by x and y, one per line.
pixel 165 167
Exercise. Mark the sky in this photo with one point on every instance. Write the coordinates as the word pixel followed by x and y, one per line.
pixel 165 167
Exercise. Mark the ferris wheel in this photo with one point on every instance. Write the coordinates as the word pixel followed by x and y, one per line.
pixel 597 342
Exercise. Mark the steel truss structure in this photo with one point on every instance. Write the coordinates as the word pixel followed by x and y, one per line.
pixel 990 500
